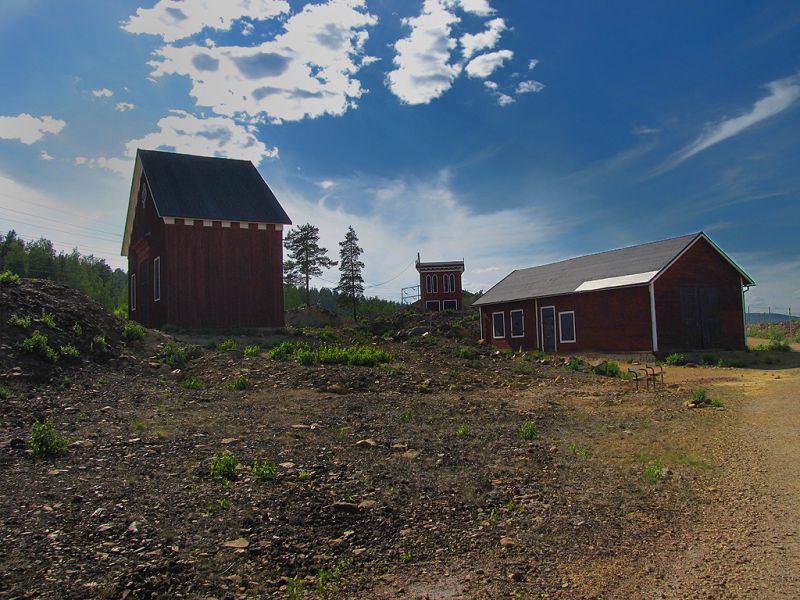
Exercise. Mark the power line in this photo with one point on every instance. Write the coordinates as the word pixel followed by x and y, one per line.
pixel 27 200
pixel 115 235
pixel 70 244
pixel 51 228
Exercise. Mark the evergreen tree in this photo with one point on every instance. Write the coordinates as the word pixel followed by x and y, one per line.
pixel 306 257
pixel 351 283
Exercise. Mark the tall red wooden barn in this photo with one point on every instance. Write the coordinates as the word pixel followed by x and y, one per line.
pixel 204 241
pixel 440 284
pixel 683 293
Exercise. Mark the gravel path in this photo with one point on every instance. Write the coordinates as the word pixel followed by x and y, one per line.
pixel 748 543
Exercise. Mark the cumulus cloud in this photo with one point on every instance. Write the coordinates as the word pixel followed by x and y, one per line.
pixel 121 166
pixel 484 65
pixel 423 69
pixel 308 70
pixel 482 8
pixel 505 99
pixel 528 87
pixel 124 106
pixel 484 40
pixel 102 93
pixel 326 184
pixel 783 93
pixel 29 129
pixel 532 64
pixel 45 155
pixel 178 19
pixel 490 85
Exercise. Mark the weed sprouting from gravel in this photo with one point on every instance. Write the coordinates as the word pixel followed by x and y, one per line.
pixel 48 320
pixel 228 344
pixel 676 359
pixel 77 329
pixel 264 469
pixel 45 440
pixel 406 557
pixel 100 344
pixel 252 351
pixel 577 451
pixel 38 345
pixel 304 475
pixel 465 352
pixel 223 465
pixel 239 384
pixel 574 364
pixel 716 403
pixel 527 431
pixel 393 369
pixel 5 393
pixel 9 278
pixel 294 588
pixel 463 431
pixel 192 383
pixel 700 395
pixel 174 354
pixel 407 416
pixel 70 351
pixel 16 320
pixel 653 468
pixel 327 354
pixel 132 332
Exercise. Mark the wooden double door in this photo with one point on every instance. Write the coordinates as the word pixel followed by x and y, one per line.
pixel 700 317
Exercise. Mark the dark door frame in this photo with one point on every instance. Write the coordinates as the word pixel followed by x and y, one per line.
pixel 555 339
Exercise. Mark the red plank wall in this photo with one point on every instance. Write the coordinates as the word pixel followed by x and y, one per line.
pixel 616 320
pixel 440 294
pixel 222 277
pixel 700 266
pixel 147 242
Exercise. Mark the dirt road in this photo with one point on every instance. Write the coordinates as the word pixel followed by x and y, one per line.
pixel 748 543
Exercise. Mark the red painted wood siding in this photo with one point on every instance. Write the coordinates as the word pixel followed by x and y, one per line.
pixel 147 243
pixel 440 294
pixel 615 320
pixel 700 266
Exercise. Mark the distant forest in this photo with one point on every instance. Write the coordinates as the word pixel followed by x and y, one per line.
pixel 293 297
pixel 88 274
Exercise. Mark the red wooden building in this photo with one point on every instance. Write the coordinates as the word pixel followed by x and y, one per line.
pixel 204 241
pixel 440 284
pixel 683 293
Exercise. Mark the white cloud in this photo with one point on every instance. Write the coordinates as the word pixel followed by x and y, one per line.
pixel 102 93
pixel 532 64
pixel 482 8
pixel 423 70
pixel 484 65
pixel 505 99
pixel 530 86
pixel 121 166
pixel 178 19
pixel 783 93
pixel 644 130
pixel 124 106
pixel 45 155
pixel 490 85
pixel 248 29
pixel 29 129
pixel 396 217
pixel 326 184
pixel 306 71
pixel 485 40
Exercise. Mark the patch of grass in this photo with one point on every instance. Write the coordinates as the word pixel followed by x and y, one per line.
pixel 294 588
pixel 132 332
pixel 327 578
pixel 611 369
pixel 579 452
pixel 700 395
pixel 406 557
pixel 45 440
pixel 773 346
pixel 393 369
pixel 286 350
pixel 16 320
pixel 716 403
pixel 252 351
pixel 330 355
pixel 174 354
pixel 675 359
pixel 407 416
pixel 304 475
pixel 574 364
pixel 70 351
pixel 264 469
pixel 223 466
pixel 424 387
pixel 192 383
pixel 653 467
pixel 466 353
pixel 38 345
pixel 463 431
pixel 239 384
pixel 138 424
pixel 100 344
pixel 690 460
pixel 527 431
pixel 48 320
pixel 9 278
pixel 521 368
pixel 228 344
pixel 5 393
pixel 77 329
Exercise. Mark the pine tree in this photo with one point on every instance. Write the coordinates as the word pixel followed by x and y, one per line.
pixel 306 257
pixel 351 283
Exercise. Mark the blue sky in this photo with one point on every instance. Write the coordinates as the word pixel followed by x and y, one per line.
pixel 508 133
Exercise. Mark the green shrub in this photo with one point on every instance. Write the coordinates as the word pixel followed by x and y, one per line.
pixel 48 320
pixel 700 395
pixel 70 351
pixel 286 350
pixel 38 345
pixel 9 278
pixel 465 352
pixel 527 431
pixel 653 470
pixel 264 469
pixel 192 383
pixel 522 368
pixel 228 344
pixel 17 321
pixel 608 369
pixel 174 354
pixel 238 384
pixel 121 311
pixel 224 465
pixel 133 331
pixel 45 440
pixel 77 329
pixel 252 350
pixel 574 364
pixel 100 344
pixel 5 393
pixel 675 359
pixel 716 403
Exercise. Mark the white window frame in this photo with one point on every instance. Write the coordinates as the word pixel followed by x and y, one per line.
pixel 511 322
pixel 574 328
pixel 494 328
pixel 132 298
pixel 156 279
pixel 436 302
pixel 454 304
pixel 449 283
pixel 432 283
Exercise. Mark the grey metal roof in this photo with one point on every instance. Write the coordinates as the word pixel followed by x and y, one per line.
pixel 204 187
pixel 566 276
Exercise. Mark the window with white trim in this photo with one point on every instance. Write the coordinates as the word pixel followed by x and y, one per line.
pixel 450 305
pixel 517 323
pixel 133 292
pixel 498 325
pixel 566 327
pixel 433 305
pixel 431 284
pixel 449 282
pixel 157 279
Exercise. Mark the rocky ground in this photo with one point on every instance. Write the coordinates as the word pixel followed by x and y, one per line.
pixel 409 479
